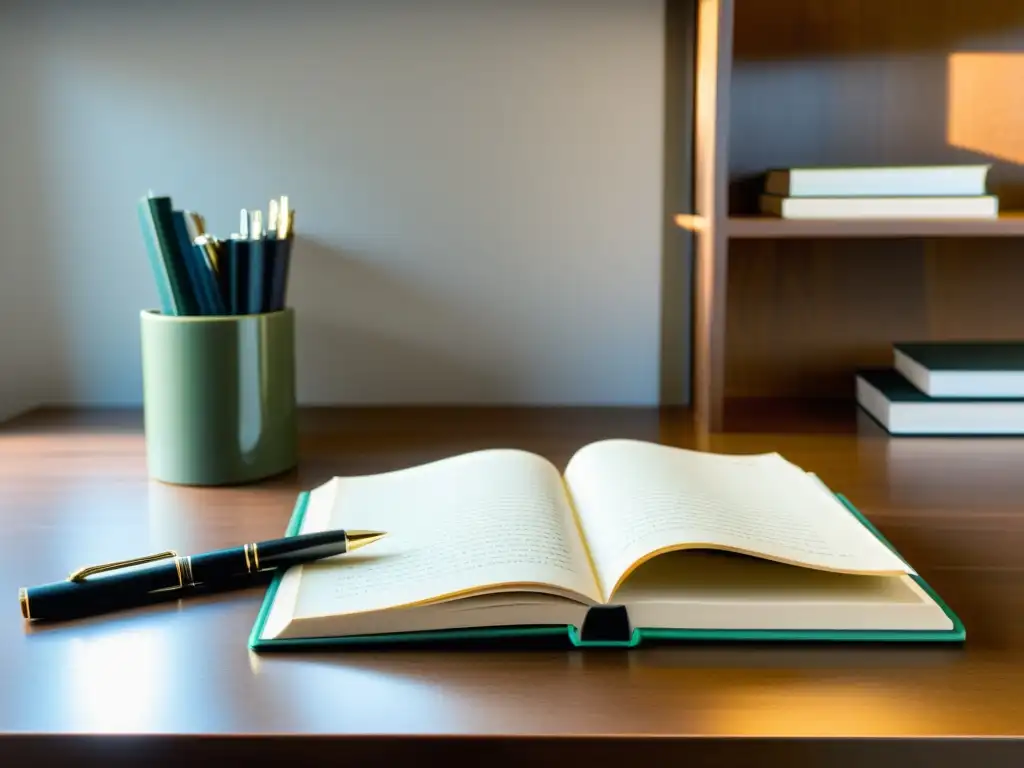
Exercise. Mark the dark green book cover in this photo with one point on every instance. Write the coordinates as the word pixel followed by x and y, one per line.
pixel 179 282
pixel 976 356
pixel 157 260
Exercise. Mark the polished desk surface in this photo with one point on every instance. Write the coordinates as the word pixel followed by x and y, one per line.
pixel 74 491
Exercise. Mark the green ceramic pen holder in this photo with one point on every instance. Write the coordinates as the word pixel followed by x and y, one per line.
pixel 219 397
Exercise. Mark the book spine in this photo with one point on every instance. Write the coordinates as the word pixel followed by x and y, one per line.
pixel 177 273
pixel 605 626
pixel 277 270
pixel 157 260
pixel 192 265
pixel 207 275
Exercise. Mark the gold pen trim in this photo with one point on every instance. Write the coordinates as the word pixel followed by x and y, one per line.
pixel 185 568
pixel 248 564
pixel 82 573
pixel 23 601
pixel 255 555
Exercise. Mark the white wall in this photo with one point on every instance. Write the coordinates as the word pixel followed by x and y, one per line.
pixel 477 182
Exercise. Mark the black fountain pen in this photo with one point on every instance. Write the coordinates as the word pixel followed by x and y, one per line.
pixel 168 575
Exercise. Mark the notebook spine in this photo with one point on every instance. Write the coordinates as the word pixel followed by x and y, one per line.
pixel 605 626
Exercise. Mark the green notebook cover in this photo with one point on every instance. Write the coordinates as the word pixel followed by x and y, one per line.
pixel 570 635
pixel 976 356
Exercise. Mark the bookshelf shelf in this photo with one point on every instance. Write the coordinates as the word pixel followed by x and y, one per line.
pixel 1007 225
pixel 786 311
pixel 1010 224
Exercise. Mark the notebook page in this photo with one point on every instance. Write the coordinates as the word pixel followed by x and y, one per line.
pixel 635 499
pixel 497 518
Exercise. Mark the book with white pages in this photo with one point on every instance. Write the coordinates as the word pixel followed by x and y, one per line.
pixel 979 207
pixel 963 180
pixel 902 409
pixel 634 542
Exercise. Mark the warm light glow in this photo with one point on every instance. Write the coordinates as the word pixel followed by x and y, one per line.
pixel 117 680
pixel 833 707
pixel 986 104
pixel 691 222
pixel 853 709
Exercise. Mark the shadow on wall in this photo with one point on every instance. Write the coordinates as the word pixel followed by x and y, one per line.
pixel 32 338
pixel 366 337
pixel 798 29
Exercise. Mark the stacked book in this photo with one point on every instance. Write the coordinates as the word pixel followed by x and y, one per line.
pixel 948 388
pixel 915 192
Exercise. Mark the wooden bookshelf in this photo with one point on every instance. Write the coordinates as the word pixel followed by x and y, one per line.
pixel 786 311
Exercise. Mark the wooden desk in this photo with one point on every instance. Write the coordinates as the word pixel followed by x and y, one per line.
pixel 176 683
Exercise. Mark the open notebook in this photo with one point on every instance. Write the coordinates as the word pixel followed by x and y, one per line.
pixel 636 540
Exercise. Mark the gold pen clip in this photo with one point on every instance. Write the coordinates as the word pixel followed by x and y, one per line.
pixel 82 573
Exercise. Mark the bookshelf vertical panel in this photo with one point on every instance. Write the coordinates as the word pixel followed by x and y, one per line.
pixel 711 160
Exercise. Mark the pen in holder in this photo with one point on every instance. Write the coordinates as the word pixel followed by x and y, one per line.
pixel 219 396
